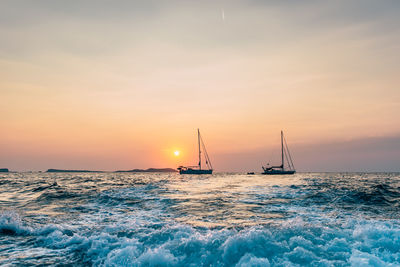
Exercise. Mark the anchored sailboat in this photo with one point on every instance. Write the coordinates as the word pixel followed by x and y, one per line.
pixel 197 169
pixel 282 169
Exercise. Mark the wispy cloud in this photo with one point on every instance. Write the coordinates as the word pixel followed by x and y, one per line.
pixel 322 70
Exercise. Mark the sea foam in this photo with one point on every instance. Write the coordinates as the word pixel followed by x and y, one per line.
pixel 160 223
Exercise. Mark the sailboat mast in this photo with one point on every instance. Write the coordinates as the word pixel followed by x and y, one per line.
pixel 198 139
pixel 283 160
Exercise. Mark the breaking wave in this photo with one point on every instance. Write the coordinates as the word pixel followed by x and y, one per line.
pixel 321 222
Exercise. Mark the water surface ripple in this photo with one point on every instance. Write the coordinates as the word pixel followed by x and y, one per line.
pixel 228 219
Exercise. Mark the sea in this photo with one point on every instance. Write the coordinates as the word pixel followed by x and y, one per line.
pixel 225 219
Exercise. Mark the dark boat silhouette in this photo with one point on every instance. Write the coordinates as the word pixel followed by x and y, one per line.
pixel 282 169
pixel 197 169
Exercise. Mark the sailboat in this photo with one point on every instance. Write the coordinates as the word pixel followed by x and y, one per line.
pixel 197 169
pixel 282 169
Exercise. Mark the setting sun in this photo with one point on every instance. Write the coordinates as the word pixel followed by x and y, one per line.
pixel 176 153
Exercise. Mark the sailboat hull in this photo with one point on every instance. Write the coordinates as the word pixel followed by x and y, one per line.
pixel 278 172
pixel 191 171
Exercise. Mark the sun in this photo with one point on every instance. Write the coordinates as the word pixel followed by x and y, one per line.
pixel 176 153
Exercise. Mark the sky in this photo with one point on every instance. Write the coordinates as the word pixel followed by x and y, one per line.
pixel 110 85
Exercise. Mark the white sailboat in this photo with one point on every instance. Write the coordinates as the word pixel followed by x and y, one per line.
pixel 197 169
pixel 282 169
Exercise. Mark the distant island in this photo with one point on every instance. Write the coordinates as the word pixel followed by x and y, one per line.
pixel 151 170
pixel 4 170
pixel 58 170
pixel 134 170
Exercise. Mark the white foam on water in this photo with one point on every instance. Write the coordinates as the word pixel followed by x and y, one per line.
pixel 11 223
pixel 136 226
pixel 362 243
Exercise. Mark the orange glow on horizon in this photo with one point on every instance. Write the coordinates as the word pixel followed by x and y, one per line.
pixel 321 83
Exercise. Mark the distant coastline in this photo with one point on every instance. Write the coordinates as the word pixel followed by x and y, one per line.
pixel 59 170
pixel 151 170
pixel 133 170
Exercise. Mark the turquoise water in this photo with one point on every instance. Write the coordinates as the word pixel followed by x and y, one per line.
pixel 120 219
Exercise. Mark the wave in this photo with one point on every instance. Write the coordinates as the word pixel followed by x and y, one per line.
pixel 354 195
pixel 146 220
pixel 11 224
pixel 131 242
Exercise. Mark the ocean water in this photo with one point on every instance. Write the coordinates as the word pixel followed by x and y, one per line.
pixel 122 219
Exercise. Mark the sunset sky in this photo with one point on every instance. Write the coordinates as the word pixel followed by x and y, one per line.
pixel 107 85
